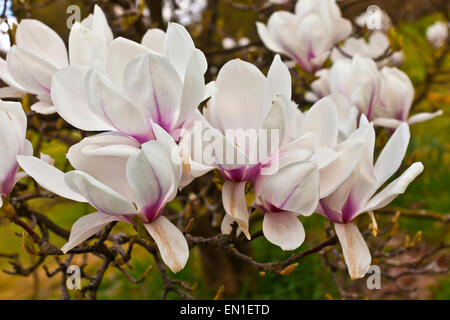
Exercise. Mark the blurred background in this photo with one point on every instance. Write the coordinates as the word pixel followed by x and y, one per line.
pixel 224 30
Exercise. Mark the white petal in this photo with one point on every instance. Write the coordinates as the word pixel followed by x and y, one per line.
pixel 106 101
pixel 104 157
pixel 424 116
pixel 7 78
pixel 70 101
pixel 31 72
pixel 356 253
pixel 100 26
pixel 31 35
pixel 155 87
pixel 86 48
pixel 44 106
pixel 154 40
pixel 396 187
pixel 178 46
pixel 87 226
pixel 278 79
pixel 171 243
pixel 267 39
pixel 387 122
pixel 120 52
pixel 100 196
pixel 392 155
pixel 48 177
pixel 283 229
pixel 234 203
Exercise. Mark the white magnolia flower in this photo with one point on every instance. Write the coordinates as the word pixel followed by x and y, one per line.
pixel 320 87
pixel 13 128
pixel 159 80
pixel 30 65
pixel 121 181
pixel 358 79
pixel 374 19
pixel 308 35
pixel 437 34
pixel 396 98
pixel 358 195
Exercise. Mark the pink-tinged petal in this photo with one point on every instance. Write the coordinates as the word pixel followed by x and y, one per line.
pixel 32 34
pixel 48 177
pixel 11 92
pixel 396 187
pixel 87 226
pixel 86 48
pixel 178 47
pixel 154 40
pixel 7 78
pixel 155 87
pixel 99 195
pixel 294 188
pixel 120 52
pixel 101 27
pixel 32 72
pixel 387 122
pixel 193 86
pixel 104 157
pixel 70 101
pixel 283 229
pixel 356 253
pixel 266 38
pixel 238 102
pixel 235 205
pixel 171 243
pixel 151 176
pixel 392 155
pixel 106 101
pixel 424 116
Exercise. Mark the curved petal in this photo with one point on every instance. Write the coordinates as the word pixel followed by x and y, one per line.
pixel 150 174
pixel 111 106
pixel 294 188
pixel 424 116
pixel 278 79
pixel 178 47
pixel 234 203
pixel 283 229
pixel 87 226
pixel 356 253
pixel 267 39
pixel 392 155
pixel 85 47
pixel 31 72
pixel 239 98
pixel 154 40
pixel 120 52
pixel 387 122
pixel 43 107
pixel 7 78
pixel 104 157
pixel 70 101
pixel 31 35
pixel 100 196
pixel 171 243
pixel 100 26
pixel 155 87
pixel 48 177
pixel 396 187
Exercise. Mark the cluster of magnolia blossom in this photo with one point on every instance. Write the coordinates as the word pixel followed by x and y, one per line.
pixel 144 98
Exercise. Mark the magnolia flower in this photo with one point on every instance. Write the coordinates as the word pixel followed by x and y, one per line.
pixel 159 80
pixel 374 18
pixel 396 98
pixel 358 79
pixel 375 47
pixel 121 181
pixel 245 103
pixel 357 194
pixel 292 191
pixel 437 34
pixel 13 128
pixel 30 65
pixel 308 35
